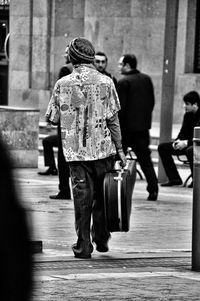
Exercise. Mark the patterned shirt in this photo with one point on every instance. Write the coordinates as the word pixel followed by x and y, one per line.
pixel 82 102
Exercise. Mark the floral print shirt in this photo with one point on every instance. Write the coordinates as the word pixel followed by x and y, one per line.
pixel 82 102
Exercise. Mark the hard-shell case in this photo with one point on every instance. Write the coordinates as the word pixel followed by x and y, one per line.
pixel 118 190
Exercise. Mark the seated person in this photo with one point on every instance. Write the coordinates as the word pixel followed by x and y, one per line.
pixel 48 143
pixel 183 144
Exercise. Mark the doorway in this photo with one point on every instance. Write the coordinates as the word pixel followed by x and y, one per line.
pixel 4 52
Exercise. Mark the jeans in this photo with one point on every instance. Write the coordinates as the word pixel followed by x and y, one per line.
pixel 63 168
pixel 87 182
pixel 48 143
pixel 166 152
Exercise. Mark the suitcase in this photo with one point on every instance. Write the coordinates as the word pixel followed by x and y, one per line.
pixel 118 189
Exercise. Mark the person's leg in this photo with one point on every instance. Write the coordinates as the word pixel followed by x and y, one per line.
pixel 63 169
pixel 49 160
pixel 140 144
pixel 83 189
pixel 166 151
pixel 189 155
pixel 63 173
pixel 100 234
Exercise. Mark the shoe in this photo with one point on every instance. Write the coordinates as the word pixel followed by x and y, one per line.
pixel 82 256
pixel 172 183
pixel 60 196
pixel 102 247
pixel 152 196
pixel 49 171
pixel 78 253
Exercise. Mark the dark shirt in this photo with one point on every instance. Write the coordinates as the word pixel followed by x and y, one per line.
pixel 111 76
pixel 136 95
pixel 190 120
pixel 65 70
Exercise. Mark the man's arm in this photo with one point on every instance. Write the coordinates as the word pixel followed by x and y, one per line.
pixel 53 110
pixel 114 127
pixel 182 141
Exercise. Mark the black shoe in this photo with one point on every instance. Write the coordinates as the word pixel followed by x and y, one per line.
pixel 102 247
pixel 82 256
pixel 60 196
pixel 172 183
pixel 78 253
pixel 49 171
pixel 152 196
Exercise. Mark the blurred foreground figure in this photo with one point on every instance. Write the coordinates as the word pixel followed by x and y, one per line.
pixel 15 251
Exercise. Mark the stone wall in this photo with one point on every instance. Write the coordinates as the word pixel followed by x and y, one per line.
pixel 19 130
pixel 131 27
pixel 40 31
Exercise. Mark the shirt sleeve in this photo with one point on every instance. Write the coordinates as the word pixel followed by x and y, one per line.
pixel 113 104
pixel 53 109
pixel 114 127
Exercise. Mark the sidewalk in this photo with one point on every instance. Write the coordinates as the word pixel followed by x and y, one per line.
pixel 150 262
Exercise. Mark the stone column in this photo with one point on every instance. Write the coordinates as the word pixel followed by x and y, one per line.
pixel 29 59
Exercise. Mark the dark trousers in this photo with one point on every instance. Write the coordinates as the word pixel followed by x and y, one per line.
pixel 48 143
pixel 166 152
pixel 139 142
pixel 63 167
pixel 87 182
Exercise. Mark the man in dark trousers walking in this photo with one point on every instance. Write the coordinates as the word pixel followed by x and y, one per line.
pixel 136 95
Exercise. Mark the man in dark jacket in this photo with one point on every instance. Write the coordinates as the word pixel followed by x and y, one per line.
pixel 136 94
pixel 183 143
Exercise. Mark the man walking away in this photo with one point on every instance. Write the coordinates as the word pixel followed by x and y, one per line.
pixel 87 105
pixel 136 95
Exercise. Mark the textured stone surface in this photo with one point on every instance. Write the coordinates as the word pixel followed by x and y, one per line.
pixel 21 25
pixel 19 7
pixel 19 79
pixel 115 27
pixel 20 57
pixel 19 129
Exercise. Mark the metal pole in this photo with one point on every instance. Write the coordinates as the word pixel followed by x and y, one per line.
pixel 196 202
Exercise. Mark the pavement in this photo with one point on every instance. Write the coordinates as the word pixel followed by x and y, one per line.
pixel 150 262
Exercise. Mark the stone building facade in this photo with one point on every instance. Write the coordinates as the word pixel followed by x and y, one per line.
pixel 41 29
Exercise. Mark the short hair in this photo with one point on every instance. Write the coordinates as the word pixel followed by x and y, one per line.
pixel 192 97
pixel 130 59
pixel 101 54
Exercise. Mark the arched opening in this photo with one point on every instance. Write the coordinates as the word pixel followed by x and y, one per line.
pixel 4 38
